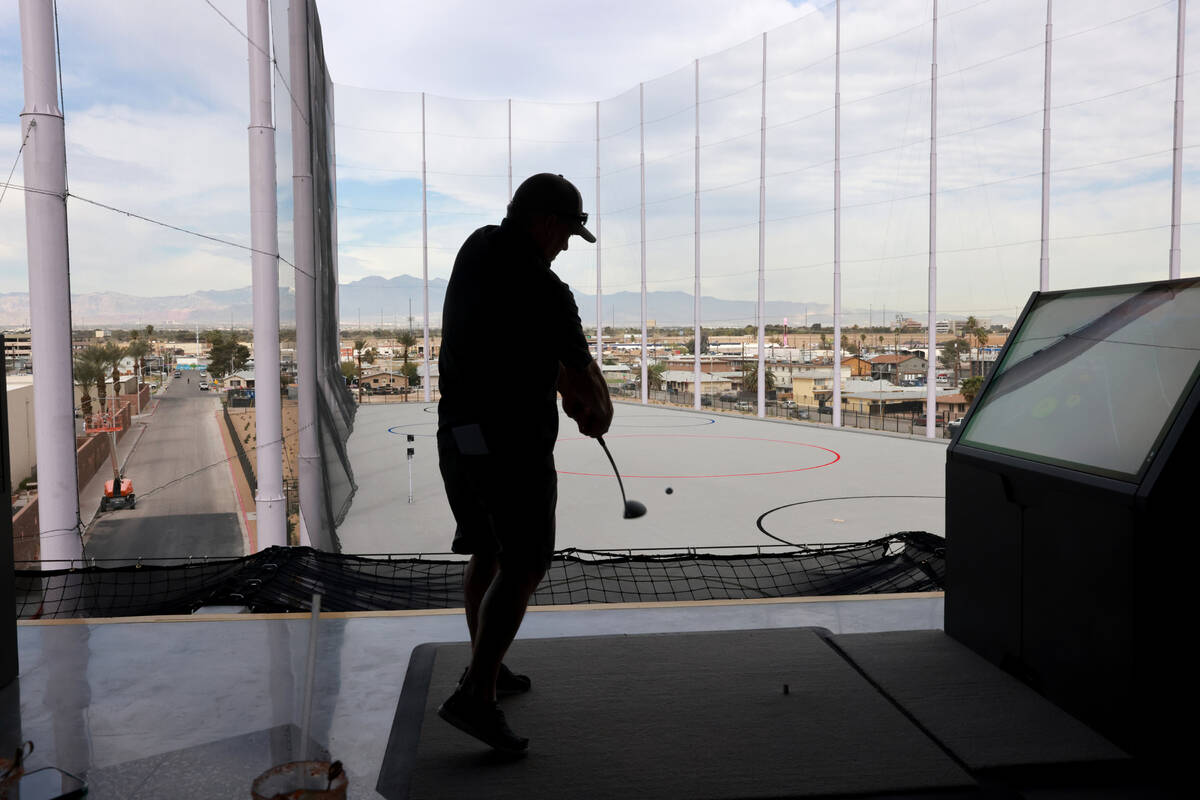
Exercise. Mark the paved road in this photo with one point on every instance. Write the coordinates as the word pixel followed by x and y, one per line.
pixel 186 503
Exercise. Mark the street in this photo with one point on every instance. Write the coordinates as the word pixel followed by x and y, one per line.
pixel 186 504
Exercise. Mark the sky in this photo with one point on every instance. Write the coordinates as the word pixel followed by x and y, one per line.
pixel 156 107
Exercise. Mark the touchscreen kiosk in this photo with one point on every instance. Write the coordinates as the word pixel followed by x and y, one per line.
pixel 1066 516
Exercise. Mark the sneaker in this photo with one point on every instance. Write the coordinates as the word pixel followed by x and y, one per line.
pixel 508 682
pixel 482 719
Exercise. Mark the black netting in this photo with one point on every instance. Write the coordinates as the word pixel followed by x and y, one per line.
pixel 335 406
pixel 284 579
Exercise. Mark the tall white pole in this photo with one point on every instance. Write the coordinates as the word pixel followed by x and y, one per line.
pixel 931 355
pixel 1044 262
pixel 642 149
pixel 599 296
pixel 697 384
pixel 270 504
pixel 425 257
pixel 1177 165
pixel 837 217
pixel 312 530
pixel 45 167
pixel 510 150
pixel 762 240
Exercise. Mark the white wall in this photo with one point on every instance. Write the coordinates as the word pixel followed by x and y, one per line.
pixel 22 451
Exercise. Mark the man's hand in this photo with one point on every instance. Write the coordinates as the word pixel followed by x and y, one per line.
pixel 585 398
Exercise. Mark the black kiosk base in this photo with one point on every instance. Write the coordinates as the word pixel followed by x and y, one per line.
pixel 1066 525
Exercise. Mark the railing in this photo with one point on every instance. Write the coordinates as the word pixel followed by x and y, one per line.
pixel 906 422
pixel 247 468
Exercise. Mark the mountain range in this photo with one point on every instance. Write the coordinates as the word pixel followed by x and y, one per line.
pixel 387 302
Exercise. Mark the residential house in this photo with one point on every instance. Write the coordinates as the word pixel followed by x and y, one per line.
pixel 859 367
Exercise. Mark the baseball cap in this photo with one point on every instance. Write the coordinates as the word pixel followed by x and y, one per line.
pixel 547 193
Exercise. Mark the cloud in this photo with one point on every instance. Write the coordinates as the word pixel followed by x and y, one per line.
pixel 156 113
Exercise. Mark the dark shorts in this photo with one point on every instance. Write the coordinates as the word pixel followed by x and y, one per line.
pixel 503 502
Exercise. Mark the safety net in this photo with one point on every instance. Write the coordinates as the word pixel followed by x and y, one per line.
pixel 282 579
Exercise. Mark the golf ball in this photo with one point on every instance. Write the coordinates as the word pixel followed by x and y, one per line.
pixel 670 490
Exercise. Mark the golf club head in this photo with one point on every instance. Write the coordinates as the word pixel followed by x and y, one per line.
pixel 634 509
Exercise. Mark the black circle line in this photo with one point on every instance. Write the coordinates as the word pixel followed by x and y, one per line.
pixel 759 521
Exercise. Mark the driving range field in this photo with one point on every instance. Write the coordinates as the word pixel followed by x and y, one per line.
pixel 735 480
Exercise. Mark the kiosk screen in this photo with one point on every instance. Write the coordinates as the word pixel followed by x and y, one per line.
pixel 1093 378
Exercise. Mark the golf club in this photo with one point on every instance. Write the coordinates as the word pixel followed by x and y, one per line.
pixel 633 509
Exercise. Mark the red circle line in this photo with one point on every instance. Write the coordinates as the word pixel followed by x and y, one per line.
pixel 836 455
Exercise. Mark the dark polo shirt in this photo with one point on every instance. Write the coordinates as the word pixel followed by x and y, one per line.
pixel 503 290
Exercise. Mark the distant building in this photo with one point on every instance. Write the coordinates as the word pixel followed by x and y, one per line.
pixel 685 381
pixel 859 367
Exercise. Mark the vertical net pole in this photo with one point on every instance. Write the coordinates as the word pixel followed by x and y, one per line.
pixel 1177 163
pixel 837 216
pixel 696 237
pixel 510 150
pixel 931 360
pixel 599 297
pixel 264 239
pixel 425 256
pixel 312 530
pixel 642 150
pixel 762 239
pixel 1044 261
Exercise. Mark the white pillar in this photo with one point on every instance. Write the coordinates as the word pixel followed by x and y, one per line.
pixel 264 239
pixel 428 377
pixel 599 297
pixel 762 240
pixel 642 149
pixel 1177 164
pixel 312 518
pixel 49 286
pixel 1044 262
pixel 931 360
pixel 510 150
pixel 696 283
pixel 837 217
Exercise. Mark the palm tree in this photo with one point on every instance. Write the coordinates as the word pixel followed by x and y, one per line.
pixel 750 379
pixel 109 355
pixel 406 339
pixel 138 349
pixel 654 375
pixel 359 346
pixel 90 370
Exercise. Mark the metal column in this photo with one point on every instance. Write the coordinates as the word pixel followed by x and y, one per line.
pixel 1044 262
pixel 696 387
pixel 762 240
pixel 599 297
pixel 270 503
pixel 45 156
pixel 931 356
pixel 837 218
pixel 428 377
pixel 312 493
pixel 1177 163
pixel 642 149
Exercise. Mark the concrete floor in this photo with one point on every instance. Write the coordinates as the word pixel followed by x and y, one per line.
pixel 196 708
pixel 815 484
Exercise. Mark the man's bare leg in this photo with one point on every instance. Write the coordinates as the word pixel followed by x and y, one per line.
pixel 477 577
pixel 499 619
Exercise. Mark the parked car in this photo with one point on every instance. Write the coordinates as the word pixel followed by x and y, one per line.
pixel 728 397
pixel 742 405
pixel 800 413
pixel 788 403
pixel 920 420
pixel 705 400
pixel 954 425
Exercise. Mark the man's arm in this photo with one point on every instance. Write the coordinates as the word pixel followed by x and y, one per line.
pixel 585 398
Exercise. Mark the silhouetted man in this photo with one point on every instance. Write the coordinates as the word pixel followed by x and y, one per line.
pixel 497 424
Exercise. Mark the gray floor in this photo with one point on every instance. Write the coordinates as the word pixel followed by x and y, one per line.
pixel 137 704
pixel 818 484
